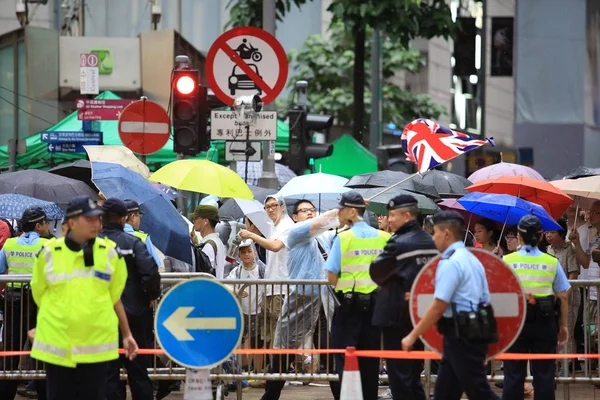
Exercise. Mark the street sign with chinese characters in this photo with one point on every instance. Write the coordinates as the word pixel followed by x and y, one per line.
pixel 231 125
pixel 68 147
pixel 88 74
pixel 100 109
pixel 72 137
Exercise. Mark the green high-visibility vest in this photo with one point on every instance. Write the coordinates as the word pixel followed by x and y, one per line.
pixel 21 258
pixel 141 235
pixel 357 255
pixel 536 273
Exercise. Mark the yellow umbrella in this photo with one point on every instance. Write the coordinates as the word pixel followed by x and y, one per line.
pixel 203 176
pixel 117 155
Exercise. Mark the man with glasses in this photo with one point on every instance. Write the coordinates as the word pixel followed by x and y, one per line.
pixel 18 257
pixel 512 242
pixel 132 226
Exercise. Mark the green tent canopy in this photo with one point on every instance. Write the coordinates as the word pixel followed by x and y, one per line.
pixel 349 158
pixel 37 155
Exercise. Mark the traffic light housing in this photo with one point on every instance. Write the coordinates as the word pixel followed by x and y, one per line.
pixel 189 112
pixel 392 157
pixel 302 149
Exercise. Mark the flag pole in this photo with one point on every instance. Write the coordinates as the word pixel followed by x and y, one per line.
pixel 393 186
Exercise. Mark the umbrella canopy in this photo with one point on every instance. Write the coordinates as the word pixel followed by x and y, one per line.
pixel 231 210
pixel 554 200
pixel 203 176
pixel 505 208
pixel 387 178
pixel 161 220
pixel 171 193
pixel 44 186
pixel 315 187
pixel 579 172
pixel 80 170
pixel 504 169
pixel 117 155
pixel 284 174
pixel 379 204
pixel 12 206
pixel 446 183
pixel 255 211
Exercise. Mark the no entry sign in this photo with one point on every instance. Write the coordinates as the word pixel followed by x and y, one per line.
pixel 508 301
pixel 144 127
pixel 246 61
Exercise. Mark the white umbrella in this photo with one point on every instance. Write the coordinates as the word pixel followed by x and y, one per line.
pixel 315 187
pixel 117 155
pixel 255 211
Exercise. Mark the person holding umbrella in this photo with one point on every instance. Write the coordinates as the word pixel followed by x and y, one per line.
pixel 132 226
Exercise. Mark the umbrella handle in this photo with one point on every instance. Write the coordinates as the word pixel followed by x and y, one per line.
pixel 393 186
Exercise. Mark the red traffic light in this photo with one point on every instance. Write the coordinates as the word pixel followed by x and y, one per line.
pixel 185 84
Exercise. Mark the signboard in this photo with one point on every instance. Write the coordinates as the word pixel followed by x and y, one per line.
pixel 246 61
pixel 71 137
pixel 144 127
pixel 508 301
pixel 100 109
pixel 199 323
pixel 235 151
pixel 88 74
pixel 68 147
pixel 231 125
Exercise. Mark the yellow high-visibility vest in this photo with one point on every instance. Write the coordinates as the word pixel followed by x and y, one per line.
pixel 536 273
pixel 21 258
pixel 141 235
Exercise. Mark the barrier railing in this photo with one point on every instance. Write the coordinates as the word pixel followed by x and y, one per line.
pixel 301 335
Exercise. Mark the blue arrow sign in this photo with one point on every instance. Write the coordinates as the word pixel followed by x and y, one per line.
pixel 69 147
pixel 70 137
pixel 199 323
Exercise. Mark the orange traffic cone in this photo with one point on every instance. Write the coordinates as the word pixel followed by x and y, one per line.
pixel 351 384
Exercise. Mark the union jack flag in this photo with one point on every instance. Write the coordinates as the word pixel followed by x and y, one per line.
pixel 429 144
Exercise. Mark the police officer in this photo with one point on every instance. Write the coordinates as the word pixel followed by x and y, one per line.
pixel 543 281
pixel 348 264
pixel 409 249
pixel 132 226
pixel 142 286
pixel 460 286
pixel 18 257
pixel 77 284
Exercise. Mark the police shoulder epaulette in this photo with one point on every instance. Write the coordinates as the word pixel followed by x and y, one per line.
pixel 448 255
pixel 101 246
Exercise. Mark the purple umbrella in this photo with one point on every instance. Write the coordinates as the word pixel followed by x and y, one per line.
pixel 504 169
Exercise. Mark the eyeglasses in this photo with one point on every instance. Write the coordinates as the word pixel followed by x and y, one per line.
pixel 509 237
pixel 271 207
pixel 306 210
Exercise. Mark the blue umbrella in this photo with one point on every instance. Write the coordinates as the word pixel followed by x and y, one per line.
pixel 12 206
pixel 168 190
pixel 161 220
pixel 506 209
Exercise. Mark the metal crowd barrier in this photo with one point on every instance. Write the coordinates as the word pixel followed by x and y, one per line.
pixel 308 306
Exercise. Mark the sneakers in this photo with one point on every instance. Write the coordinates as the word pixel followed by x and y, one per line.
pixel 257 384
pixel 386 395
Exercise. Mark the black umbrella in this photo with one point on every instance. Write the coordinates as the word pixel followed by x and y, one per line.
pixel 446 183
pixel 382 179
pixel 579 172
pixel 44 186
pixel 80 170
pixel 231 211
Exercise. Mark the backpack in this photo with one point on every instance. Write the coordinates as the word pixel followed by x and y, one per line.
pixel 261 271
pixel 203 263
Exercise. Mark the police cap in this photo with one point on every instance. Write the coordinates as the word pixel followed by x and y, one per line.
pixel 83 205
pixel 115 206
pixel 133 206
pixel 530 225
pixel 447 216
pixel 352 199
pixel 33 215
pixel 401 201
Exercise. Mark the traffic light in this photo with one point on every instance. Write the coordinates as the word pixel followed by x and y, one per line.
pixel 302 149
pixel 392 157
pixel 189 112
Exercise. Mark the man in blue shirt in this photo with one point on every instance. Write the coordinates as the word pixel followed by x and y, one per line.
pixel 460 281
pixel 132 226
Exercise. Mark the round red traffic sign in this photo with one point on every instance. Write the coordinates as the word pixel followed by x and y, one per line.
pixel 246 61
pixel 144 127
pixel 507 295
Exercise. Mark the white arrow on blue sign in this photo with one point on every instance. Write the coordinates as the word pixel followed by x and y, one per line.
pixel 199 323
pixel 68 147
pixel 71 137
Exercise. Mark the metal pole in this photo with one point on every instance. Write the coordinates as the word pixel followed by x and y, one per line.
pixel 80 18
pixel 375 92
pixel 268 178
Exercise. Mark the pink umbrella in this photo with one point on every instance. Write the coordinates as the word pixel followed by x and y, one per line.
pixel 504 169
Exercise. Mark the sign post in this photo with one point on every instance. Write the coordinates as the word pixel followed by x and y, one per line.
pixel 508 301
pixel 199 324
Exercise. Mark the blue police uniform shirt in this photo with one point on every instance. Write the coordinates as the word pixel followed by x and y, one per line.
pixel 149 246
pixel 334 258
pixel 460 279
pixel 561 282
pixel 28 239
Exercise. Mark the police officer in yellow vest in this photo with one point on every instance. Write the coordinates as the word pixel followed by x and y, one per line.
pixel 132 226
pixel 544 281
pixel 77 284
pixel 348 264
pixel 18 257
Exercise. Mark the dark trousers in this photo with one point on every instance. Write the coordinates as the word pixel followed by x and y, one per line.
pixel 84 382
pixel 539 335
pixel 462 370
pixel 404 375
pixel 354 329
pixel 18 305
pixel 137 370
pixel 280 363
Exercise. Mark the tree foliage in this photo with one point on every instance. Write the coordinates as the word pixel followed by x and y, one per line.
pixel 327 65
pixel 249 12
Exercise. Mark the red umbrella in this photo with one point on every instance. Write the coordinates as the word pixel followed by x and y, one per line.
pixel 554 200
